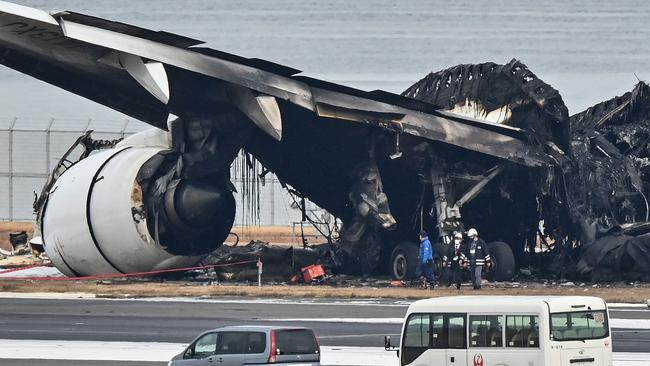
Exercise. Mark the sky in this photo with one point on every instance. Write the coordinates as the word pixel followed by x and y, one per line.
pixel 589 51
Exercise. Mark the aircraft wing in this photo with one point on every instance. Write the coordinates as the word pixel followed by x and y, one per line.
pixel 149 74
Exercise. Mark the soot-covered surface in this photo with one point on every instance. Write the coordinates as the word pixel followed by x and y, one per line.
pixel 600 182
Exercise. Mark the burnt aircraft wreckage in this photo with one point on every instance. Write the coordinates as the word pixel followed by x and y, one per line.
pixel 487 145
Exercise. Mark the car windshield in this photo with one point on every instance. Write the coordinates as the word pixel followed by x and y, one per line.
pixel 295 342
pixel 579 325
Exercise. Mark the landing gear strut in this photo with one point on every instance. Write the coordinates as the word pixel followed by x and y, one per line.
pixel 447 210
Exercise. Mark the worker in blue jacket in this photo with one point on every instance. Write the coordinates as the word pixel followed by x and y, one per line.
pixel 424 269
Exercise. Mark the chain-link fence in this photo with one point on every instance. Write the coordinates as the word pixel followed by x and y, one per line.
pixel 30 148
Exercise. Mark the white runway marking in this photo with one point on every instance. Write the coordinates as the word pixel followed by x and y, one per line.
pixel 263 301
pixel 618 307
pixel 40 271
pixel 618 323
pixel 157 352
pixel 46 295
pixel 88 350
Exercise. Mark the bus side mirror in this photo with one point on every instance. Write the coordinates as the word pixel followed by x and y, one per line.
pixel 390 347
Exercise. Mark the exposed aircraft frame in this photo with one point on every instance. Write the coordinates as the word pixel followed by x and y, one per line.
pixel 387 165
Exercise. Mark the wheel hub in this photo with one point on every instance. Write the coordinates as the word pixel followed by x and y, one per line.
pixel 399 267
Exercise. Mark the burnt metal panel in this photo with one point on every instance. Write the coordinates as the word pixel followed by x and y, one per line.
pixel 82 42
pixel 440 127
pixel 156 36
pixel 246 76
pixel 252 62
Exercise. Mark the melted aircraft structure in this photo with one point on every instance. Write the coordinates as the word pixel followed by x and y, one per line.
pixel 486 140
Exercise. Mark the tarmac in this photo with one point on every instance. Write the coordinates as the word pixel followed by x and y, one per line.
pixel 44 330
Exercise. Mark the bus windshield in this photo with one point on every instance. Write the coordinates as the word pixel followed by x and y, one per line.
pixel 579 325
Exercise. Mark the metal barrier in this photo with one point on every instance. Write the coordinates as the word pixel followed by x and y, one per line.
pixel 29 149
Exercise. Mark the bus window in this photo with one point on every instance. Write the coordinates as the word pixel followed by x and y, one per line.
pixel 417 331
pixel 432 331
pixel 522 331
pixel 448 331
pixel 579 325
pixel 486 331
pixel 455 326
pixel 438 334
pixel 416 337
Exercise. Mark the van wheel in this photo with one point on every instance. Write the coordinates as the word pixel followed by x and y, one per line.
pixel 503 262
pixel 403 261
pixel 439 250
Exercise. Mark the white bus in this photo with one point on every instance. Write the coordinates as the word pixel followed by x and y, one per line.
pixel 506 330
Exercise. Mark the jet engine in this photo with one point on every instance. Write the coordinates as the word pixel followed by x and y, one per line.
pixel 97 219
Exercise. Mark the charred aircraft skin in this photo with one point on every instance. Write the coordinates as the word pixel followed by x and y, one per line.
pixel 334 145
pixel 615 238
pixel 592 199
pixel 510 207
pixel 466 145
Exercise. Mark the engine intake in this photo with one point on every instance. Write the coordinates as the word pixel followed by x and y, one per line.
pixel 96 220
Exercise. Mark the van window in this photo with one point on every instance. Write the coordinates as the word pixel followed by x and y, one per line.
pixel 205 346
pixel 295 342
pixel 522 331
pixel 230 343
pixel 579 325
pixel 256 342
pixel 486 330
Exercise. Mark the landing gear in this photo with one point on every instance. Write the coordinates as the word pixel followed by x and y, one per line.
pixel 439 251
pixel 404 261
pixel 503 262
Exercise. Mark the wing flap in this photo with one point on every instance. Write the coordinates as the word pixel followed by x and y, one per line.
pixel 246 76
pixel 33 43
pixel 156 36
pixel 26 12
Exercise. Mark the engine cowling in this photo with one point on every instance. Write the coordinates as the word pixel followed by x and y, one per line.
pixel 95 219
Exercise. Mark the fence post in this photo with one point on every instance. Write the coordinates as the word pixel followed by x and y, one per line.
pixel 47 147
pixel 259 272
pixel 272 198
pixel 126 124
pixel 11 169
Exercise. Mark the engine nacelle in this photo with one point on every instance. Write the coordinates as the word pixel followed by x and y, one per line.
pixel 95 220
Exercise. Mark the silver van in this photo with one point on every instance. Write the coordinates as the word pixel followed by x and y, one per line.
pixel 246 345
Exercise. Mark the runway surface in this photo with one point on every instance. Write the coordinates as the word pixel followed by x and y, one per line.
pixel 338 324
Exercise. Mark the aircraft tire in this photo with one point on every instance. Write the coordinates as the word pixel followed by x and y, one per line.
pixel 403 261
pixel 503 262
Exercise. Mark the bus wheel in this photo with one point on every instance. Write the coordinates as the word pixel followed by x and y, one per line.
pixel 403 261
pixel 503 262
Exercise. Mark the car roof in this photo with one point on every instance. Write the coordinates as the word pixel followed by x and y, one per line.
pixel 256 328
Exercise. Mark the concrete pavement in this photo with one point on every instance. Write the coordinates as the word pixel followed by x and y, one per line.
pixel 179 321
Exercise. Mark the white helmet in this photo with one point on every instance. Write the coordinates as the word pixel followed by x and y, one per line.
pixel 458 236
pixel 472 232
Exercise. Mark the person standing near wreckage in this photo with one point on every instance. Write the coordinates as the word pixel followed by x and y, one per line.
pixel 424 269
pixel 478 257
pixel 455 261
